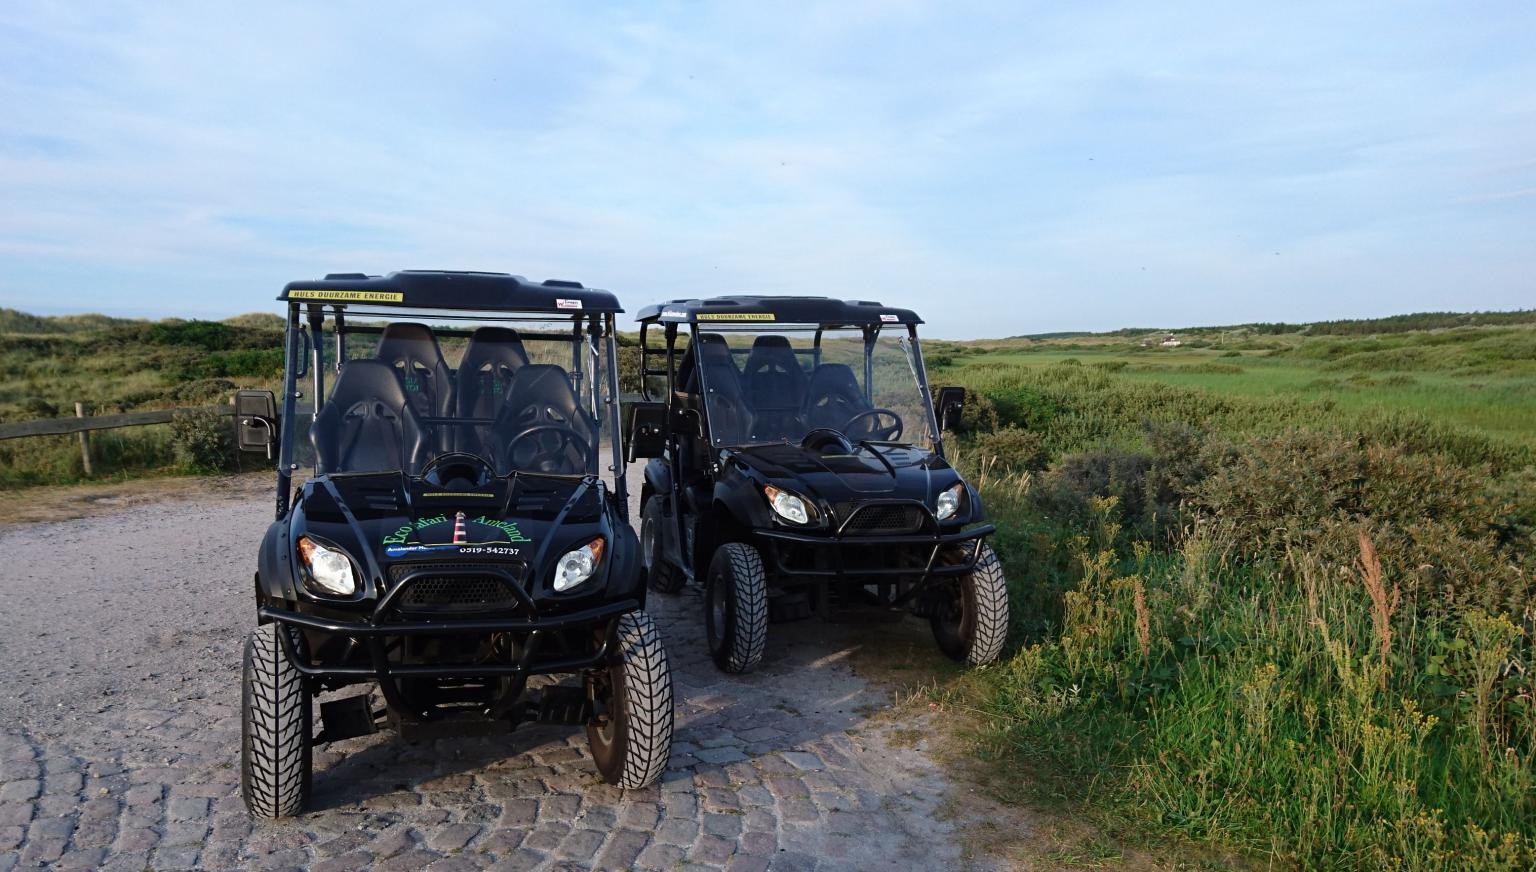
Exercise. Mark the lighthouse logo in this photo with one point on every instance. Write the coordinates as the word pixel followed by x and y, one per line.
pixel 458 535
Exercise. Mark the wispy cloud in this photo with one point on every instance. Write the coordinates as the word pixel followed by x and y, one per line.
pixel 1003 168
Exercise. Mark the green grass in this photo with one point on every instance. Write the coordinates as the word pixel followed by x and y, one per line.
pixel 114 365
pixel 1480 378
pixel 1201 654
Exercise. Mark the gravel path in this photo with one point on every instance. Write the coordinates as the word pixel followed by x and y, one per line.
pixel 120 639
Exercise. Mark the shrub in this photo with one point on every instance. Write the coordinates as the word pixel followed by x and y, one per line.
pixel 266 363
pixel 203 441
pixel 207 390
pixel 1435 523
pixel 1011 448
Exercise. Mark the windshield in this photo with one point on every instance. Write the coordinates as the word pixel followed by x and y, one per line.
pixel 762 388
pixel 520 395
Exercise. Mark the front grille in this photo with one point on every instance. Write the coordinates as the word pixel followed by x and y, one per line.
pixel 887 520
pixel 430 592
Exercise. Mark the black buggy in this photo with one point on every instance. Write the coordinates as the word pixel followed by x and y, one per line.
pixel 797 468
pixel 456 537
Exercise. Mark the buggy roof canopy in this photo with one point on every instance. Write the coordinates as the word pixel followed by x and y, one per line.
pixel 442 289
pixel 788 310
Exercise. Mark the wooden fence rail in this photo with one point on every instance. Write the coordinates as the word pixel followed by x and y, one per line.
pixel 60 426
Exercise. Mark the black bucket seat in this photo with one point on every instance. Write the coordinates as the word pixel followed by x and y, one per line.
pixel 833 398
pixel 412 351
pixel 368 424
pixel 542 396
pixel 483 384
pixel 775 387
pixel 710 368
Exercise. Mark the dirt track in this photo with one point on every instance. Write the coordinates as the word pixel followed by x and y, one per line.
pixel 119 731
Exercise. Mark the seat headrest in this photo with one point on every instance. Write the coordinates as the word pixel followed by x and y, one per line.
pixel 494 345
pixel 834 376
pixel 405 340
pixel 365 379
pixel 773 351
pixel 712 349
pixel 545 385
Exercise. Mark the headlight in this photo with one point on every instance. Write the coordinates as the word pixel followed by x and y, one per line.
pixel 329 569
pixel 577 566
pixel 949 502
pixel 788 506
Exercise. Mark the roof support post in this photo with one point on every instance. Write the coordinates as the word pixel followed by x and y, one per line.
pixel 620 474
pixel 292 337
pixel 921 372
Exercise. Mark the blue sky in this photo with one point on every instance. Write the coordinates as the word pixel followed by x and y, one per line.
pixel 1003 168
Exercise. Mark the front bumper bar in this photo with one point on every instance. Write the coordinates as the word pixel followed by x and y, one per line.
pixel 374 632
pixel 839 546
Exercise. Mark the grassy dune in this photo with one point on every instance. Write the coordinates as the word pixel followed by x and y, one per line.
pixel 115 365
pixel 1480 377
pixel 1279 600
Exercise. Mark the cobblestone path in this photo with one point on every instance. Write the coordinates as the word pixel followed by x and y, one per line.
pixel 120 640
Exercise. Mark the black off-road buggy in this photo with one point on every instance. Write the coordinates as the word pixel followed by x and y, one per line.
pixel 797 467
pixel 456 537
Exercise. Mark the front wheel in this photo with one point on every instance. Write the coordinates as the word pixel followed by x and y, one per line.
pixel 662 576
pixel 736 607
pixel 275 724
pixel 630 733
pixel 971 621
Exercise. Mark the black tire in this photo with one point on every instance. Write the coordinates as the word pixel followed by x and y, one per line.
pixel 631 739
pixel 736 608
pixel 662 576
pixel 971 623
pixel 275 725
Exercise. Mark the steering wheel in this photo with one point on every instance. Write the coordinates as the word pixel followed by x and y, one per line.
pixel 550 442
pixel 457 470
pixel 823 438
pixel 874 427
pixel 873 431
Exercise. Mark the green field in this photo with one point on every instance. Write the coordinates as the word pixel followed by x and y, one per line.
pixel 117 365
pixel 1480 377
pixel 1273 591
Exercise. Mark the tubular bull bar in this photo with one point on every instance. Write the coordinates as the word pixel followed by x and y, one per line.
pixel 839 543
pixel 381 626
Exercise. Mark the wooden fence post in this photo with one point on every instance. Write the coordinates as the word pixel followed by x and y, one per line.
pixel 85 440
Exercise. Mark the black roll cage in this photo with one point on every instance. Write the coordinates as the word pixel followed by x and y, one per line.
pixel 304 356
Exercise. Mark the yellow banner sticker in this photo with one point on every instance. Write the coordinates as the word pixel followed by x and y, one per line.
pixel 734 316
pixel 349 296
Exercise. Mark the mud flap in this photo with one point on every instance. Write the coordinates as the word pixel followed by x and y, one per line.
pixel 346 718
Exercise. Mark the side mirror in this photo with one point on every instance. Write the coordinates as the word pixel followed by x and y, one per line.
pixel 256 421
pixel 647 430
pixel 951 407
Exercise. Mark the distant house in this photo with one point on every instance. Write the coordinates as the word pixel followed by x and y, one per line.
pixel 1171 341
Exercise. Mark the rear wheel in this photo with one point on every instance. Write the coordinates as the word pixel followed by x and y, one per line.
pixel 736 607
pixel 971 620
pixel 630 733
pixel 663 576
pixel 275 724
